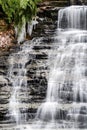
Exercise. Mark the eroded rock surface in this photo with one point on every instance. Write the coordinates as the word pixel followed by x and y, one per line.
pixel 36 66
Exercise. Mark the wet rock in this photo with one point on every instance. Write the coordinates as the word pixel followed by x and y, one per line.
pixel 3 80
pixel 41 47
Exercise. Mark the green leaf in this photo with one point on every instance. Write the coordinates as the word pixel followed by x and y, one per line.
pixel 19 11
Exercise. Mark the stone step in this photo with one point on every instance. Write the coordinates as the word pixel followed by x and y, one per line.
pixel 59 3
pixel 67 107
pixel 80 110
pixel 54 3
pixel 29 71
pixel 55 0
pixel 62 113
pixel 42 47
pixel 77 117
pixel 68 96
pixel 35 55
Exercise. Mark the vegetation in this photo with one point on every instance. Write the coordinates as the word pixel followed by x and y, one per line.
pixel 19 11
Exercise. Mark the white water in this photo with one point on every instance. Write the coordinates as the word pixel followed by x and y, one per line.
pixel 67 83
pixel 17 76
pixel 67 73
pixel 73 17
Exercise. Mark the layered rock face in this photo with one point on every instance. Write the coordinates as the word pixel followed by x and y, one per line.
pixel 34 72
pixel 25 71
pixel 78 2
pixel 54 3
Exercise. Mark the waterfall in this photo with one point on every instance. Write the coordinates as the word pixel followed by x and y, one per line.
pixel 65 105
pixel 17 76
pixel 73 17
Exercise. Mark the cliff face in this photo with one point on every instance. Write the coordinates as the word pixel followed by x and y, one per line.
pixel 36 66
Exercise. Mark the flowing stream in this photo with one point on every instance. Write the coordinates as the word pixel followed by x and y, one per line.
pixel 65 105
pixel 66 101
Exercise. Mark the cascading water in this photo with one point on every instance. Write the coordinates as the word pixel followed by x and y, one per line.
pixel 17 76
pixel 66 100
pixel 65 105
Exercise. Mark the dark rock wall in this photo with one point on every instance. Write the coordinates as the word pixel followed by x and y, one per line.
pixel 37 70
pixel 78 2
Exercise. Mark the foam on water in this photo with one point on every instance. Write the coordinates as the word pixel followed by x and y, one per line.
pixel 67 73
pixel 65 106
